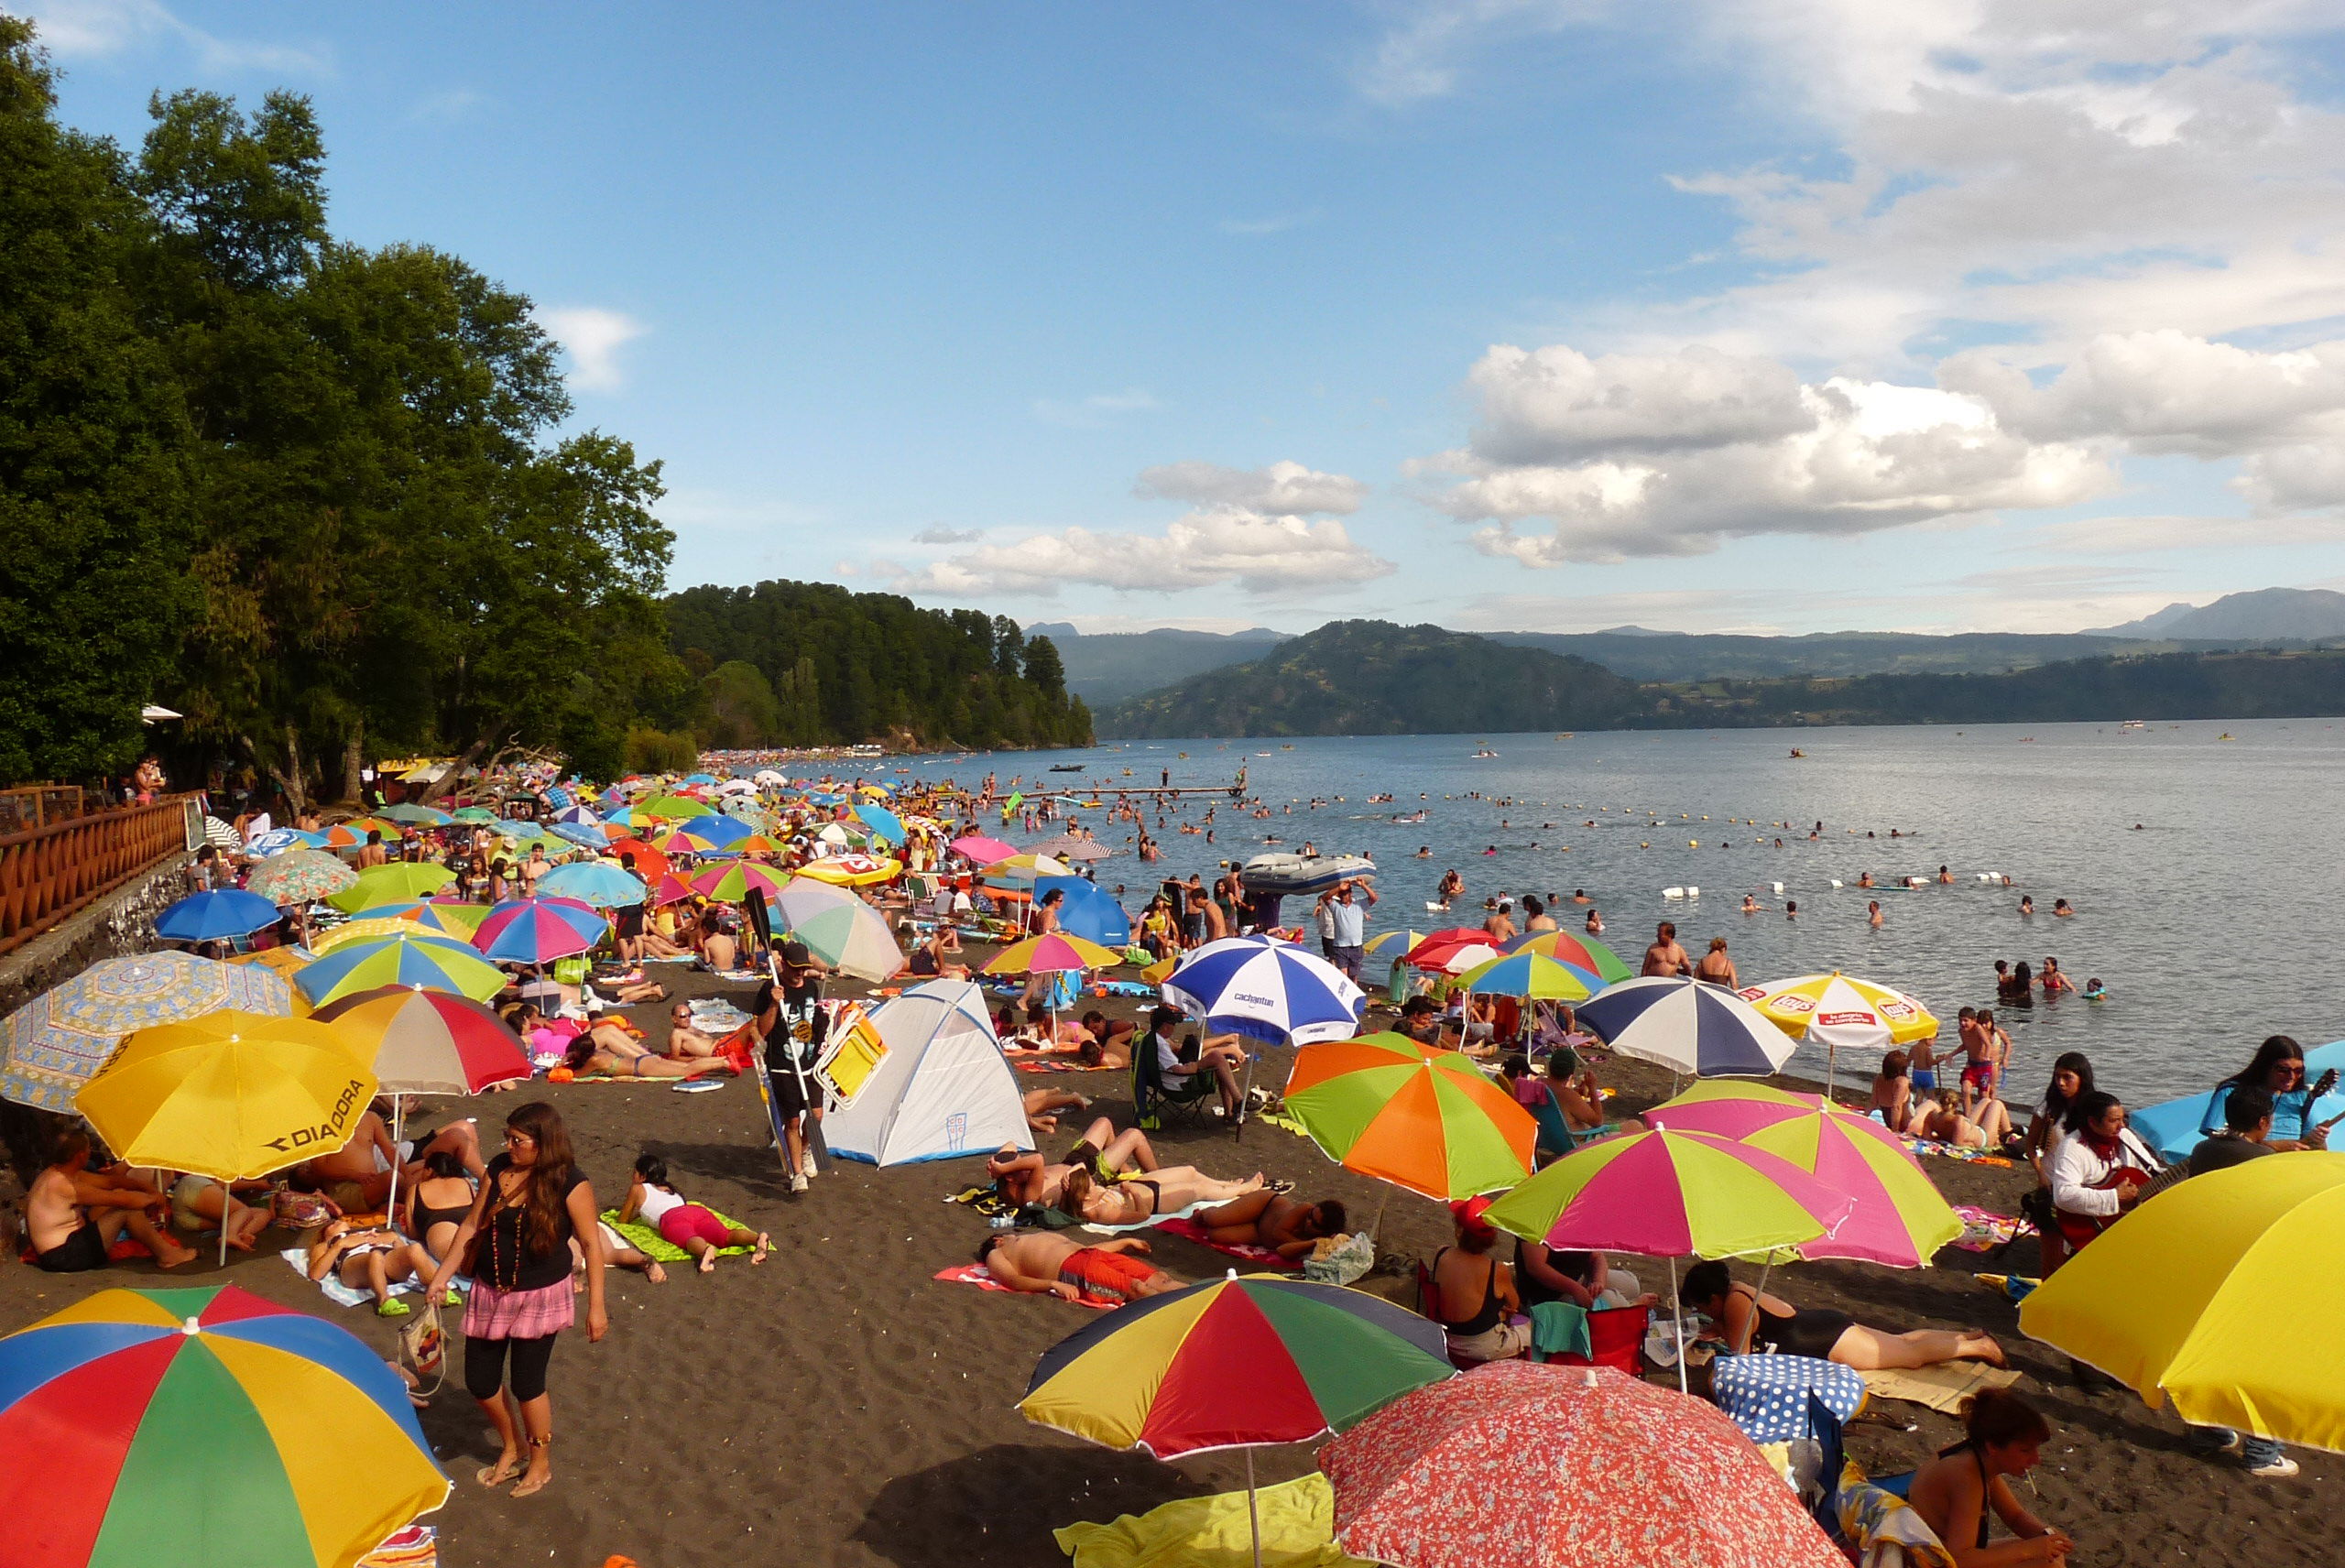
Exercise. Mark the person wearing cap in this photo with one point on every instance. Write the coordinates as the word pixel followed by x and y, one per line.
pixel 792 996
pixel 1473 1292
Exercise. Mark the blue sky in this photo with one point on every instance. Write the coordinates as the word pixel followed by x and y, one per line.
pixel 1794 316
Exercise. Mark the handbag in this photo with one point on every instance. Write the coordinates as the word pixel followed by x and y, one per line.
pixel 423 1349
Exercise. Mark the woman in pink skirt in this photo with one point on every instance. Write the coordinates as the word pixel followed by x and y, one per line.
pixel 687 1225
pixel 516 1245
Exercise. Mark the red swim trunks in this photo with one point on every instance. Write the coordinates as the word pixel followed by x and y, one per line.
pixel 685 1221
pixel 1113 1278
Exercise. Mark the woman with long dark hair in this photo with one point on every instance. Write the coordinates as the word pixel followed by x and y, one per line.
pixel 2278 1068
pixel 515 1243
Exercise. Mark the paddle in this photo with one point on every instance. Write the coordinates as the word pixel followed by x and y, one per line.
pixel 810 1128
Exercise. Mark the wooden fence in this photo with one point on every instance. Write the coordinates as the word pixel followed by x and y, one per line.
pixel 51 873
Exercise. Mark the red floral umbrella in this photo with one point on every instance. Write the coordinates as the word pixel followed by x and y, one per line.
pixel 1522 1465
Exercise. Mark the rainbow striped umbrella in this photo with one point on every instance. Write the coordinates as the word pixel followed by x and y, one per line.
pixel 204 1428
pixel 679 841
pixel 539 931
pixel 400 882
pixel 1053 954
pixel 1899 1218
pixel 435 962
pixel 1672 1194
pixel 1233 1361
pixel 427 1042
pixel 1531 976
pixel 731 882
pixel 1424 1119
pixel 449 917
pixel 1579 952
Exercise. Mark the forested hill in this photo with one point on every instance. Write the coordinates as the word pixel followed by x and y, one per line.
pixel 809 663
pixel 1374 678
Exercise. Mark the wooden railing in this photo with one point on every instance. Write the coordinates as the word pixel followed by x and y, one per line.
pixel 50 874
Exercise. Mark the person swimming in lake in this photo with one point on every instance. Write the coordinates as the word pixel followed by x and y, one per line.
pixel 2060 909
pixel 2026 904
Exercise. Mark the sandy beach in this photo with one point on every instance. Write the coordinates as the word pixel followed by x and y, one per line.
pixel 840 1406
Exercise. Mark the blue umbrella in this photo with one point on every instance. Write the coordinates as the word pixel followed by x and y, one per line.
pixel 592 836
pixel 1267 990
pixel 592 882
pixel 884 823
pixel 700 779
pixel 1687 1026
pixel 578 814
pixel 278 840
pixel 1087 911
pixel 719 829
pixel 209 917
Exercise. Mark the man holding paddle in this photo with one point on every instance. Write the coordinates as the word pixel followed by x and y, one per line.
pixel 792 994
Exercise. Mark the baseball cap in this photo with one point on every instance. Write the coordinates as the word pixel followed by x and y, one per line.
pixel 794 952
pixel 1467 1213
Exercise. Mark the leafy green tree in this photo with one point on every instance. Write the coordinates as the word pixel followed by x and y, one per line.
pixel 1045 672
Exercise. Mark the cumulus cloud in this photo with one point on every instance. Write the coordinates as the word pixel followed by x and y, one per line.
pixel 592 338
pixel 1209 548
pixel 1284 488
pixel 948 536
pixel 1643 455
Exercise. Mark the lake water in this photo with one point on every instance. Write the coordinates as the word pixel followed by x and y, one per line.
pixel 2214 925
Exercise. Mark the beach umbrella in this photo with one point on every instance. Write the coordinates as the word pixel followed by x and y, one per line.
pixel 397 883
pixel 1579 952
pixel 300 877
pixel 586 836
pixel 982 850
pixel 473 814
pixel 448 917
pixel 839 929
pixel 539 931
pixel 278 841
pixel 641 857
pixel 594 882
pixel 1235 1362
pixel 1405 939
pixel 56 1042
pixel 731 882
pixel 1056 954
pixel 230 1095
pixel 416 815
pixel 679 841
pixel 2209 1295
pixel 204 1428
pixel 401 958
pixel 1068 847
pixel 672 889
pixel 578 816
pixel 1026 869
pixel 757 844
pixel 1420 1119
pixel 282 960
pixel 884 823
pixel 366 928
pixel 674 808
pixel 1529 1465
pixel 1266 990
pixel 217 915
pixel 1436 949
pixel 1899 1218
pixel 222 836
pixel 766 779
pixel 1690 1027
pixel 851 870
pixel 1841 1012
pixel 1087 910
pixel 341 835
pixel 1530 977
pixel 721 832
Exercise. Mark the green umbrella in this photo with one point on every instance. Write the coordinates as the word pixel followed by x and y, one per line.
pixel 473 815
pixel 675 808
pixel 400 882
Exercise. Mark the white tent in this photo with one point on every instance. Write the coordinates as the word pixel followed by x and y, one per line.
pixel 943 1090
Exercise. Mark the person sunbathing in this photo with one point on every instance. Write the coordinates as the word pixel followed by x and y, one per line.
pixel 73 1216
pixel 1161 1193
pixel 1752 1320
pixel 1041 1261
pixel 689 1226
pixel 1028 1178
pixel 1268 1218
pixel 1955 1493
pixel 374 1261
pixel 1107 1044
pixel 686 1042
pixel 1042 1105
pixel 608 1052
pixel 357 1176
pixel 1943 1124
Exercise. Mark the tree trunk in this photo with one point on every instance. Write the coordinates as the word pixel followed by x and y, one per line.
pixel 353 755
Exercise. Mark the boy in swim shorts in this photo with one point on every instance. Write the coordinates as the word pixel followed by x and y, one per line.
pixel 1044 1261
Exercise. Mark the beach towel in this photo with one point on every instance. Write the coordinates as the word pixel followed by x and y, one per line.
pixel 1190 1230
pixel 1984 1230
pixel 1149 1223
pixel 343 1295
pixel 1298 1519
pixel 1943 1387
pixel 1560 1328
pixel 977 1274
pixel 1029 1062
pixel 416 1546
pixel 649 1241
pixel 1947 1151
pixel 1885 1529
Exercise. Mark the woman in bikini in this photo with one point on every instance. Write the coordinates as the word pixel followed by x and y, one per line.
pixel 433 1209
pixel 369 1260
pixel 1269 1218
pixel 1161 1193
pixel 1752 1320
pixel 609 1052
pixel 1474 1297
pixel 1955 1493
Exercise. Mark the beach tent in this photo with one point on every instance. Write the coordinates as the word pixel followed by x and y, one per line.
pixel 943 1088
pixel 2171 1127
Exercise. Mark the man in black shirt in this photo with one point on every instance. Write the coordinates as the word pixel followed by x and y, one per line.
pixel 2247 1132
pixel 792 996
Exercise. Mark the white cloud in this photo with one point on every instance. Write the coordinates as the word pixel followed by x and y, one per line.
pixel 941 535
pixel 1285 488
pixel 2107 536
pixel 1671 456
pixel 592 338
pixel 1425 52
pixel 95 28
pixel 1096 412
pixel 1209 548
pixel 1276 224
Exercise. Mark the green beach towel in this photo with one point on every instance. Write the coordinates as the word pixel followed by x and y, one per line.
pixel 652 1244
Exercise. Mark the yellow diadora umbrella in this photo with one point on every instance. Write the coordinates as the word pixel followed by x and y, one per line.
pixel 2225 1293
pixel 230 1094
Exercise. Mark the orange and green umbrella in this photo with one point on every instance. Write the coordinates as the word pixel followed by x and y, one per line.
pixel 205 1428
pixel 1900 1218
pixel 1579 952
pixel 1231 1363
pixel 1422 1118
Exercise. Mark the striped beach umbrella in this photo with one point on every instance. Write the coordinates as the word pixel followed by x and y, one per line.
pixel 1672 1194
pixel 416 816
pixel 1899 1218
pixel 597 883
pixel 1531 977
pixel 731 882
pixel 1579 952
pixel 448 917
pixel 204 1428
pixel 678 840
pixel 1028 869
pixel 1057 954
pixel 539 931
pixel 585 835
pixel 839 929
pixel 1687 1026
pixel 395 883
pixel 1841 1012
pixel 401 958
pixel 1425 1120
pixel 427 1042
pixel 1266 990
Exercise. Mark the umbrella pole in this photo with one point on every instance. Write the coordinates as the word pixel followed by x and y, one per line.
pixel 1374 1229
pixel 1253 1518
pixel 398 1125
pixel 1677 1320
pixel 1831 1066
pixel 225 1197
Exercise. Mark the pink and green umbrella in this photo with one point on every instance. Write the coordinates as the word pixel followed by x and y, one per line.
pixel 679 841
pixel 539 931
pixel 1055 953
pixel 1579 952
pixel 1531 977
pixel 731 882
pixel 1672 1194
pixel 1899 1218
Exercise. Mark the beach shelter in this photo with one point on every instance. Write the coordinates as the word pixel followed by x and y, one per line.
pixel 939 1089
pixel 1087 910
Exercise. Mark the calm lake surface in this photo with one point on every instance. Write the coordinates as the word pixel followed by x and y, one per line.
pixel 2217 923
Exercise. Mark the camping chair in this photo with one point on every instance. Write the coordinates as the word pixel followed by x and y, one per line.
pixel 1555 1138
pixel 1190 1099
pixel 1616 1338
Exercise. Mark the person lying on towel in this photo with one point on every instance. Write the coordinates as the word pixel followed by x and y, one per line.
pixel 1041 1261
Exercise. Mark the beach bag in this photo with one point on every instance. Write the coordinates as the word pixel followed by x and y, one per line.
pixel 572 971
pixel 423 1350
pixel 1339 1260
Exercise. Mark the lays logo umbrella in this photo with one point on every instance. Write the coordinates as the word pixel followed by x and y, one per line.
pixel 1422 1118
pixel 204 1428
pixel 1839 1012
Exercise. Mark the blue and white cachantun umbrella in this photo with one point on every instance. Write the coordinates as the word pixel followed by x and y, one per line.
pixel 1687 1026
pixel 1267 990
pixel 277 841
